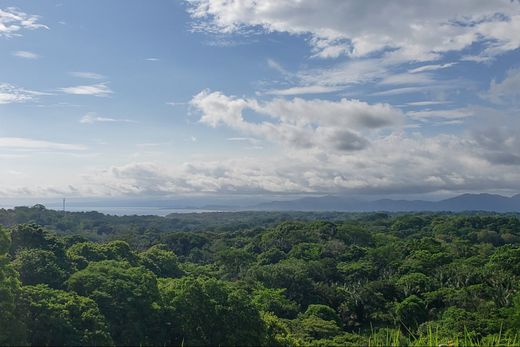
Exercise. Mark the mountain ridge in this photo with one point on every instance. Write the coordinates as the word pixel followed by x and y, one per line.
pixel 460 203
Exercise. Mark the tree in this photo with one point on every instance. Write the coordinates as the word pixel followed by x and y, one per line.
pixel 506 258
pixel 57 318
pixel 291 274
pixel 39 266
pixel 127 296
pixel 274 301
pixel 80 254
pixel 414 283
pixel 313 327
pixel 11 329
pixel 160 261
pixel 411 311
pixel 208 312
pixel 234 261
pixel 322 311
pixel 31 236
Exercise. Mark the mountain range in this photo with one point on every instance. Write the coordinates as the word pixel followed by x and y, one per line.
pixel 465 202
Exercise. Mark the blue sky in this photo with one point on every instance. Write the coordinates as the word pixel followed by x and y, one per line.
pixel 236 97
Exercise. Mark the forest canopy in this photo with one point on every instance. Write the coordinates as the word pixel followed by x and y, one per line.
pixel 317 280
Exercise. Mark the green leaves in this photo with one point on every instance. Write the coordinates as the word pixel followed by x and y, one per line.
pixel 56 318
pixel 127 296
pixel 11 329
pixel 206 311
pixel 37 266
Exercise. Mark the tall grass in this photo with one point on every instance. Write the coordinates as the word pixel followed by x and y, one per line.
pixel 394 337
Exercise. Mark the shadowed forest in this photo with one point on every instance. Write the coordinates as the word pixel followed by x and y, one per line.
pixel 277 279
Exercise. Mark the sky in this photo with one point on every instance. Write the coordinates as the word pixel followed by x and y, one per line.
pixel 135 98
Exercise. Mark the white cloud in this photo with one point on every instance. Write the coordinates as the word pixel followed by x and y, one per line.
pixel 177 103
pixel 10 94
pixel 273 64
pixel 26 55
pixel 506 90
pixel 99 89
pixel 350 72
pixel 427 103
pixel 91 118
pixel 415 31
pixel 447 114
pixel 12 21
pixel 431 67
pixel 304 90
pixel 407 78
pixel 32 144
pixel 336 125
pixel 396 163
pixel 87 75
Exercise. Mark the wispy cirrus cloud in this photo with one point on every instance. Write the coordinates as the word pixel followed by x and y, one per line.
pixel 13 21
pixel 10 94
pixel 33 144
pixel 432 67
pixel 92 118
pixel 87 75
pixel 316 89
pixel 99 89
pixel 446 114
pixel 26 55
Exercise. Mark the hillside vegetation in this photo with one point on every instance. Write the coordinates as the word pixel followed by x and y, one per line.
pixel 352 279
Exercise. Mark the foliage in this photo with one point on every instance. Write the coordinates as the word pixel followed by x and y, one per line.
pixel 206 311
pixel 55 318
pixel 39 266
pixel 127 296
pixel 9 290
pixel 280 279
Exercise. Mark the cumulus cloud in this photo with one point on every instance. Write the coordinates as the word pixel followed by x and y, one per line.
pixel 99 89
pixel 422 32
pixel 12 21
pixel 340 125
pixel 499 144
pixel 397 163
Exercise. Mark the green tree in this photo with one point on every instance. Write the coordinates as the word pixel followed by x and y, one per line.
pixel 127 296
pixel 322 311
pixel 274 301
pixel 414 283
pixel 161 261
pixel 29 236
pixel 39 266
pixel 81 254
pixel 11 329
pixel 506 258
pixel 291 274
pixel 58 318
pixel 411 311
pixel 313 328
pixel 234 261
pixel 208 312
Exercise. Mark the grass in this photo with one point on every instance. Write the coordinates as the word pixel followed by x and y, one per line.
pixel 394 337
